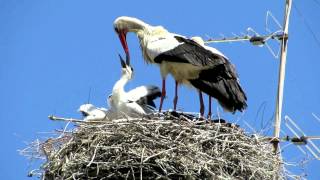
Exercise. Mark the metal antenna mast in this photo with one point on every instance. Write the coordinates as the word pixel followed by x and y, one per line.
pixel 282 70
pixel 260 41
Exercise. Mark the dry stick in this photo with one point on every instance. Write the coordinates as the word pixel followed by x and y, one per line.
pixel 64 130
pixel 182 132
pixel 133 173
pixel 94 155
pixel 159 153
pixel 73 176
pixel 55 118
pixel 141 163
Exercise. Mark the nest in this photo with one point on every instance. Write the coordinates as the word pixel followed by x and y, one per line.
pixel 158 147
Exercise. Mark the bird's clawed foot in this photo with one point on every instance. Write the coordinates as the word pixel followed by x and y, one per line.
pixel 209 116
pixel 202 112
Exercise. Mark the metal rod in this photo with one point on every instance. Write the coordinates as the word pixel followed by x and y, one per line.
pixel 282 70
pixel 287 138
pixel 246 38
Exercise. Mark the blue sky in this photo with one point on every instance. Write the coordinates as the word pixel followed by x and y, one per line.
pixel 53 52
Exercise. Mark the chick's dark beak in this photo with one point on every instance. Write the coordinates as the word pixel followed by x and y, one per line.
pixel 123 64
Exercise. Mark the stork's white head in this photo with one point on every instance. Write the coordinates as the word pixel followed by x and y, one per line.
pixel 123 25
pixel 85 109
pixel 129 24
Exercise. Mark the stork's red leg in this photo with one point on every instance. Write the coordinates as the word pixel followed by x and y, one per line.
pixel 209 113
pixel 201 104
pixel 175 100
pixel 163 94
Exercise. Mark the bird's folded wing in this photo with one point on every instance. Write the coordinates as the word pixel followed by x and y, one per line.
pixel 144 94
pixel 191 52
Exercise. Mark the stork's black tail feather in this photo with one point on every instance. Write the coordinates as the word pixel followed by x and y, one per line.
pixel 228 92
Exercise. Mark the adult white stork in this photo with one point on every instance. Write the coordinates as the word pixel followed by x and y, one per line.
pixel 136 102
pixel 188 61
pixel 92 113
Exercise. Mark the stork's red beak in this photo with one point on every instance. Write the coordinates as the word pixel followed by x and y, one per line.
pixel 123 39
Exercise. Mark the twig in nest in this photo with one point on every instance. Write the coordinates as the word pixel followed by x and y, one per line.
pixel 158 154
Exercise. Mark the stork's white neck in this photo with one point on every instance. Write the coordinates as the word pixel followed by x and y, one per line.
pixel 118 88
pixel 150 35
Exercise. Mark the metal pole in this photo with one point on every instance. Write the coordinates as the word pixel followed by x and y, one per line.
pixel 282 70
pixel 244 38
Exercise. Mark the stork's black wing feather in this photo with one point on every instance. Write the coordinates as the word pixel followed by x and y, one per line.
pixel 190 52
pixel 226 90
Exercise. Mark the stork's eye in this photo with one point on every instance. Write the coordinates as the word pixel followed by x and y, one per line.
pixel 131 69
pixel 116 29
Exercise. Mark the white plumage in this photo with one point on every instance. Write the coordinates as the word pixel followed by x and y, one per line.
pixel 92 113
pixel 136 102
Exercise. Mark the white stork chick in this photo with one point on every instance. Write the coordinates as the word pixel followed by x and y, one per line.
pixel 92 113
pixel 187 61
pixel 136 102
